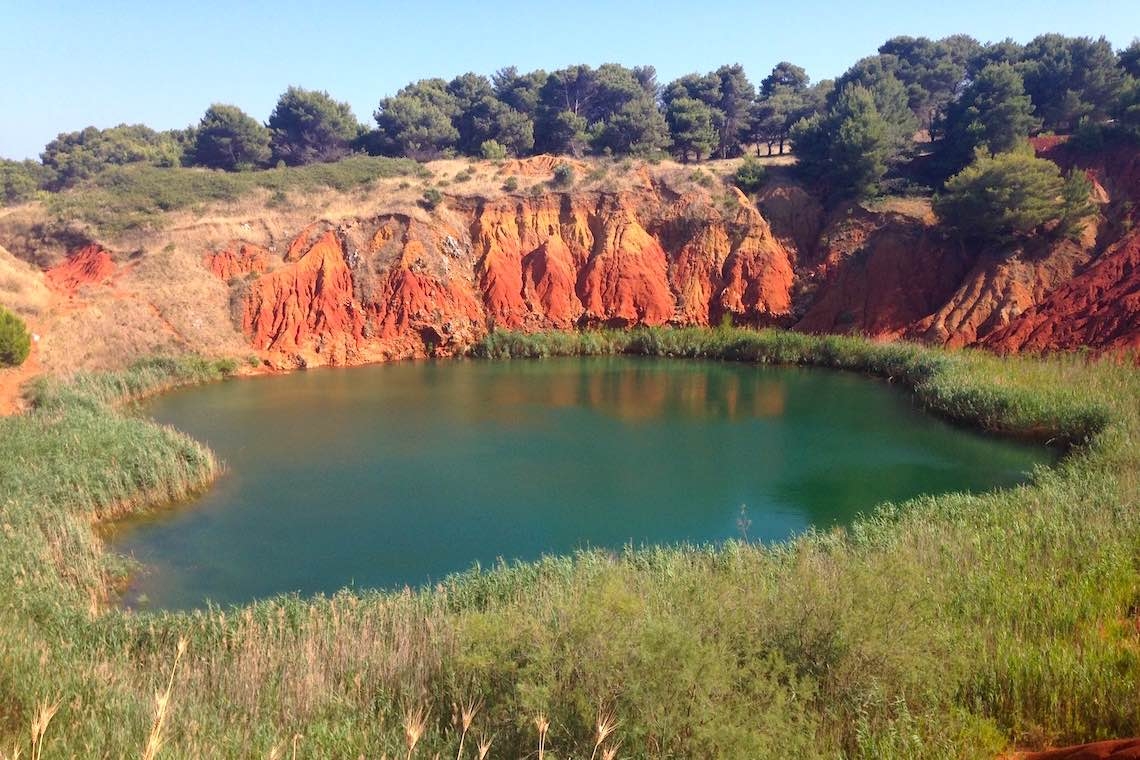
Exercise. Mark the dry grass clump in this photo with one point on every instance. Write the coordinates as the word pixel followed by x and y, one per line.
pixel 162 705
pixel 22 287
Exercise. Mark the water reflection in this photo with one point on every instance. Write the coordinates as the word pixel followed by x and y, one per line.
pixel 399 474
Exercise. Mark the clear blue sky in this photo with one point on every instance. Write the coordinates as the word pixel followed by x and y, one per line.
pixel 69 64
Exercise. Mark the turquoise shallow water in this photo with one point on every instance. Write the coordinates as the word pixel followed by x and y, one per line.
pixel 399 474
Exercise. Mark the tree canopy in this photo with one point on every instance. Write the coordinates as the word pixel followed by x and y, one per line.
pixel 308 126
pixel 994 113
pixel 999 199
pixel 845 152
pixel 75 156
pixel 228 138
pixel 962 94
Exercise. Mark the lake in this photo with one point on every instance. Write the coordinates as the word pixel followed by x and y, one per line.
pixel 399 474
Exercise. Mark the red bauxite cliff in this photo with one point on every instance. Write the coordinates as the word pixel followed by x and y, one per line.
pixel 401 286
pixel 395 286
pixel 414 283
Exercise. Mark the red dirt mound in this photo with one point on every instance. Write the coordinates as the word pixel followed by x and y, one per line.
pixel 90 265
pixel 1119 749
pixel 1099 308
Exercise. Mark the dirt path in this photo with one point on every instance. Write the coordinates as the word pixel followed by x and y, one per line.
pixel 13 379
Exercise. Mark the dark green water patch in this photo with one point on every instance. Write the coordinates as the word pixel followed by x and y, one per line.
pixel 399 474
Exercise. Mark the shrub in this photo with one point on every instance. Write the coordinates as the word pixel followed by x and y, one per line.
pixel 750 175
pixel 431 198
pixel 511 184
pixel 492 150
pixel 15 342
pixel 702 178
pixel 563 175
pixel 1001 198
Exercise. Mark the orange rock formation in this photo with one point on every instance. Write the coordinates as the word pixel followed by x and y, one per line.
pixel 397 286
pixel 238 259
pixel 402 285
pixel 90 265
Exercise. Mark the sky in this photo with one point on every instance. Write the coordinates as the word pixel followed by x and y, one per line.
pixel 65 65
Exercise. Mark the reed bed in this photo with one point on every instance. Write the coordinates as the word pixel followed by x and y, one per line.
pixel 953 626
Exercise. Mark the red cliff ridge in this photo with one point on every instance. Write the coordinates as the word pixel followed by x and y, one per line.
pixel 415 284
pixel 396 286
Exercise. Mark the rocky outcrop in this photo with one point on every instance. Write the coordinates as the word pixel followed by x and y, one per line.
pixel 90 265
pixel 238 260
pixel 1099 308
pixel 402 286
pixel 880 275
pixel 656 248
pixel 396 285
pixel 997 290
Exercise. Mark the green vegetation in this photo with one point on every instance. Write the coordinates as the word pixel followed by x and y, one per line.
pixel 1001 198
pixel 963 93
pixel 750 175
pixel 492 150
pixel 15 342
pixel 994 114
pixel 308 126
pixel 75 156
pixel 20 180
pixel 431 198
pixel 228 138
pixel 845 153
pixel 944 627
pixel 563 175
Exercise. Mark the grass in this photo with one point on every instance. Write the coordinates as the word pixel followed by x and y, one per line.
pixel 136 196
pixel 944 627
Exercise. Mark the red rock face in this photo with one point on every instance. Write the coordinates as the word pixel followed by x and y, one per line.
pixel 395 286
pixel 237 260
pixel 880 277
pixel 91 265
pixel 306 309
pixel 758 274
pixel 1099 308
pixel 401 286
pixel 625 282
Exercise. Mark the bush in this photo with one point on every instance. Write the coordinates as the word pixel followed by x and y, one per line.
pixel 492 150
pixel 750 176
pixel 15 342
pixel 511 184
pixel 432 198
pixel 702 178
pixel 563 175
pixel 1001 198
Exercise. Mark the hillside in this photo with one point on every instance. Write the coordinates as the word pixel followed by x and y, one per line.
pixel 345 277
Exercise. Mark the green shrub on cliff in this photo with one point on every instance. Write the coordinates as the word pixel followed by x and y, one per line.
pixel 15 342
pixel 1001 198
pixel 750 175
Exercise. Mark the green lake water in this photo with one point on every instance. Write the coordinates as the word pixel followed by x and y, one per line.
pixel 399 474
